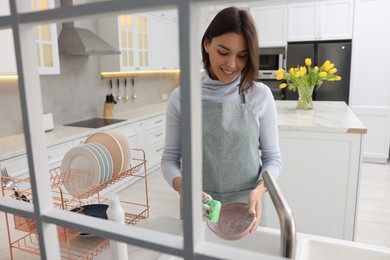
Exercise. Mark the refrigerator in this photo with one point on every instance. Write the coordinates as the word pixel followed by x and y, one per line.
pixel 338 52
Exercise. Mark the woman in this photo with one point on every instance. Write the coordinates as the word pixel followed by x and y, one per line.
pixel 238 117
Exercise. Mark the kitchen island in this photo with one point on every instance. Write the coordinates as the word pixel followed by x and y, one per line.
pixel 321 153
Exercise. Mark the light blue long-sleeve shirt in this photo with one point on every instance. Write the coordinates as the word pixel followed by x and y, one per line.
pixel 263 106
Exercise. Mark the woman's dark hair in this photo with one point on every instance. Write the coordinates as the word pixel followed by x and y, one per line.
pixel 239 21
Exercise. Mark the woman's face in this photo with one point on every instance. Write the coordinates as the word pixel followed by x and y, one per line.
pixel 228 54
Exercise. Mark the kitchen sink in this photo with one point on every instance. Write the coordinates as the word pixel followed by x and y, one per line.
pixel 340 250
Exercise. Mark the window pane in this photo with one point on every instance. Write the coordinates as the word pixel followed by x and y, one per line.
pixel 38 55
pixel 43 5
pixel 129 22
pixel 146 58
pixel 122 19
pixel 124 39
pixel 46 32
pixel 145 24
pixel 131 58
pixel 139 23
pixel 141 58
pixel 140 41
pixel 124 58
pixel 47 55
pixel 130 40
pixel 146 41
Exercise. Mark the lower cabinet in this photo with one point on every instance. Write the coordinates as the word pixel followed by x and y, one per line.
pixel 18 166
pixel 148 135
pixel 320 182
pixel 154 141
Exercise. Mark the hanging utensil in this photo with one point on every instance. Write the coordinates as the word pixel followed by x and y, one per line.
pixel 133 95
pixel 111 97
pixel 127 97
pixel 118 97
pixel 11 184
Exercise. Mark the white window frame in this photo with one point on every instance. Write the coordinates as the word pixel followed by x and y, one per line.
pixel 189 246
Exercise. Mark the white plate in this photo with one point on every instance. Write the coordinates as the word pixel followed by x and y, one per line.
pixel 126 147
pixel 113 147
pixel 83 170
pixel 101 160
pixel 107 159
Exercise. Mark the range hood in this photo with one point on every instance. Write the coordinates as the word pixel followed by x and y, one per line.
pixel 79 41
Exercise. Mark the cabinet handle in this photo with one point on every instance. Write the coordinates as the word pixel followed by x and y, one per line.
pixel 158 121
pixel 159 134
pixel 159 150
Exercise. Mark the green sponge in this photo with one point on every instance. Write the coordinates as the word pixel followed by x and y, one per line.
pixel 213 214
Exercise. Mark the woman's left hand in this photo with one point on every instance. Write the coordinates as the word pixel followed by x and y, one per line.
pixel 254 201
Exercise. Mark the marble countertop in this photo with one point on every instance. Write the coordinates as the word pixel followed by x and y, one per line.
pixel 327 116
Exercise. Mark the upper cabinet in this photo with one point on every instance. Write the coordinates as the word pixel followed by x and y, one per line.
pixel 164 40
pixel 45 39
pixel 271 24
pixel 130 34
pixel 324 20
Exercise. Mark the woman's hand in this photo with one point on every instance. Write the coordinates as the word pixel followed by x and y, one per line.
pixel 254 201
pixel 178 186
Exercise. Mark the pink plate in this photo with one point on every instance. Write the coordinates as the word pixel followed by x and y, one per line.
pixel 235 221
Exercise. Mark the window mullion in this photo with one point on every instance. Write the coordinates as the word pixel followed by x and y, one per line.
pixel 191 134
pixel 31 106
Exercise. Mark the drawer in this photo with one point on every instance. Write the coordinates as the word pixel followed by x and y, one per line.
pixel 16 166
pixel 155 121
pixel 155 134
pixel 56 153
pixel 154 154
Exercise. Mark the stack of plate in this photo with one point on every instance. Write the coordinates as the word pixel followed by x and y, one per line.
pixel 104 155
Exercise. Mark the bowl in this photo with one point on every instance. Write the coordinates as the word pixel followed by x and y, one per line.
pixel 93 210
pixel 235 221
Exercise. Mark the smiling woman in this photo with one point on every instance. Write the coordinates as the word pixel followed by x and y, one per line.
pixel 238 117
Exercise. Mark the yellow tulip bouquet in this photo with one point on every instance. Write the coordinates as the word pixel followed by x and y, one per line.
pixel 305 79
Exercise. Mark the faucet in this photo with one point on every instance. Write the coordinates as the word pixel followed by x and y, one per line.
pixel 286 220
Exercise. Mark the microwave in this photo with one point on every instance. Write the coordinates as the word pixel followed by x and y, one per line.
pixel 270 60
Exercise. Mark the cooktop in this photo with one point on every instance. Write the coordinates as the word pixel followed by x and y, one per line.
pixel 95 122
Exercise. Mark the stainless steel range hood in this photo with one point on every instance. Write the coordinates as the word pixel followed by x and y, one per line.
pixel 79 41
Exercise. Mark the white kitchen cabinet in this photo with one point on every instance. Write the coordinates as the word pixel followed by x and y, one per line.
pixel 321 153
pixel 271 24
pixel 154 140
pixel 135 135
pixel 45 39
pixel 7 53
pixel 18 166
pixel 321 20
pixel 56 153
pixel 164 40
pixel 370 96
pixel 130 34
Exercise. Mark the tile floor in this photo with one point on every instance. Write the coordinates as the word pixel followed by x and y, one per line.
pixel 373 220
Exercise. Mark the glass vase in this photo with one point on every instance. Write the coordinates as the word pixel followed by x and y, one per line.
pixel 305 100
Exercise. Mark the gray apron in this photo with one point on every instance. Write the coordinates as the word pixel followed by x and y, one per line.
pixel 231 159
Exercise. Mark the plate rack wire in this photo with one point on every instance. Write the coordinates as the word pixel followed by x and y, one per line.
pixel 22 232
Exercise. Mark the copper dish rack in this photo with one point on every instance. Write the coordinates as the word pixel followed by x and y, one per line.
pixel 72 245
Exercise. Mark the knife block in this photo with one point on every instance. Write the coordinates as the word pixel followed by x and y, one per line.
pixel 108 109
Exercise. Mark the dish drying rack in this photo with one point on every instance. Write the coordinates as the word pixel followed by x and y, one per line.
pixel 72 245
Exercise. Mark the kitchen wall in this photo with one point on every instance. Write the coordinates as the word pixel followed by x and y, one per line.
pixel 78 93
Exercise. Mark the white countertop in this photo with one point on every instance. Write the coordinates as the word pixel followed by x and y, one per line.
pixel 14 145
pixel 327 116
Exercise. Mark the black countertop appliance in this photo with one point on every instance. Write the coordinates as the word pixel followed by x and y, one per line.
pixel 338 52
